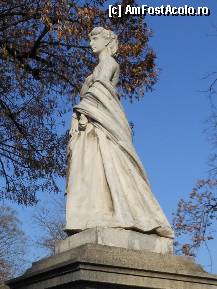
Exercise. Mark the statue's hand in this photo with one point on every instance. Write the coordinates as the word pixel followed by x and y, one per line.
pixel 83 121
pixel 74 124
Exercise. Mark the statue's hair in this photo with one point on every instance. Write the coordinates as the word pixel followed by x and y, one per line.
pixel 112 46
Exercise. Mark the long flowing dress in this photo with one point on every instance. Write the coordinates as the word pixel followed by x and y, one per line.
pixel 106 184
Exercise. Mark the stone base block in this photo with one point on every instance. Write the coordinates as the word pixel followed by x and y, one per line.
pixel 94 266
pixel 118 238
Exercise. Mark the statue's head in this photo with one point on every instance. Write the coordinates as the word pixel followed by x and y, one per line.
pixel 101 38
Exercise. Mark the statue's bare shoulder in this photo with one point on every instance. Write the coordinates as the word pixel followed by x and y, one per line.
pixel 107 69
pixel 112 63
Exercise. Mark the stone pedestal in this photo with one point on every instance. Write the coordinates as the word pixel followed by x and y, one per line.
pixel 117 237
pixel 94 266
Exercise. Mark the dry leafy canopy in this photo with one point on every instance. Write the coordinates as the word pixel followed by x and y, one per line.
pixel 12 244
pixel 196 216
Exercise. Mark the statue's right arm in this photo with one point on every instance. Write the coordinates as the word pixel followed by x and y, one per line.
pixel 74 124
pixel 88 81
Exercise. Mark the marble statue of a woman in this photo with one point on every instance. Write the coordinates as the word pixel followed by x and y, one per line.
pixel 106 184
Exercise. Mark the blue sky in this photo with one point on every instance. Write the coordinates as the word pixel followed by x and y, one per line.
pixel 169 121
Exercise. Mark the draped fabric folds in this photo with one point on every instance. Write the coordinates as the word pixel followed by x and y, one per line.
pixel 106 184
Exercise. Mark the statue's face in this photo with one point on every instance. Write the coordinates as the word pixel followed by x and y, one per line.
pixel 98 43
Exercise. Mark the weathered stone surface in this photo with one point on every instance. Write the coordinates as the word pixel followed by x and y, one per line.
pixel 107 185
pixel 117 237
pixel 97 266
pixel 2 286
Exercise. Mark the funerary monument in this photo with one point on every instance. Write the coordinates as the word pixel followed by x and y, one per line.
pixel 118 235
